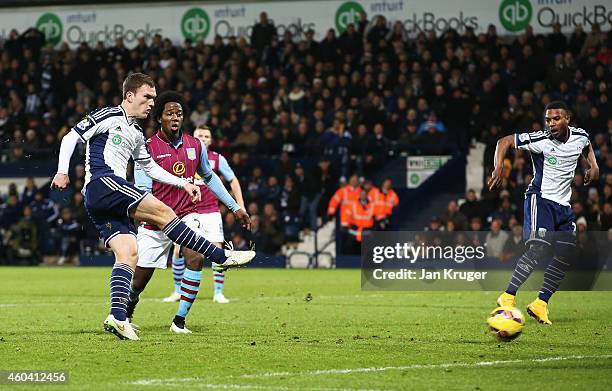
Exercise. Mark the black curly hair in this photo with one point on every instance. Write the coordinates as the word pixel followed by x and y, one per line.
pixel 166 97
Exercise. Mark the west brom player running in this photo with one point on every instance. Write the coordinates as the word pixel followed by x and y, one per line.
pixel 209 212
pixel 113 137
pixel 184 156
pixel 548 227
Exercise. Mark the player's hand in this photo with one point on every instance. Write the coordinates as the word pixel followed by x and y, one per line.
pixel 496 178
pixel 194 192
pixel 60 182
pixel 244 218
pixel 592 174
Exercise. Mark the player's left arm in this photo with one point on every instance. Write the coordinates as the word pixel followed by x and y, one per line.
pixel 592 173
pixel 213 182
pixel 229 176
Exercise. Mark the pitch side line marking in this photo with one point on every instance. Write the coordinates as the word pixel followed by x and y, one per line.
pixel 192 382
pixel 181 381
pixel 418 366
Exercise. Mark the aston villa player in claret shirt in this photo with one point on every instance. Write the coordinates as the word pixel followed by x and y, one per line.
pixel 184 156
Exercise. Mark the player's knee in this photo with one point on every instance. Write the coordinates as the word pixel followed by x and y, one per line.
pixel 538 250
pixel 127 253
pixel 162 214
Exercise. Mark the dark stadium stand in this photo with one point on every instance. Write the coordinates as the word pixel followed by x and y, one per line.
pixel 357 101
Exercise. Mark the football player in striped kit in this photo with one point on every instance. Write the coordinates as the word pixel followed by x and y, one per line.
pixel 549 223
pixel 113 136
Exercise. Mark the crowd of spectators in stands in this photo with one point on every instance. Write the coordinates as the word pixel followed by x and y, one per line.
pixel 296 116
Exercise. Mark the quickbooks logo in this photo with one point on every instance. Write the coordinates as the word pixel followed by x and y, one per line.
pixel 515 15
pixel 552 160
pixel 195 24
pixel 347 13
pixel 50 25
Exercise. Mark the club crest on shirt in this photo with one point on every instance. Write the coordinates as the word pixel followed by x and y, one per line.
pixel 541 232
pixel 191 153
pixel 212 163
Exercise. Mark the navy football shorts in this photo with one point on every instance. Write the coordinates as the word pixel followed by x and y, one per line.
pixel 108 201
pixel 548 222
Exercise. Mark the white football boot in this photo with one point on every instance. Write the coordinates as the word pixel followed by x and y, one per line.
pixel 236 258
pixel 220 298
pixel 177 330
pixel 122 329
pixel 173 298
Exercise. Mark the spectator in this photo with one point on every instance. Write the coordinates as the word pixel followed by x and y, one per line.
pixel 496 239
pixel 514 246
pixel 199 117
pixel 29 190
pixel 263 32
pixel 471 207
pixel 23 240
pixel 271 226
pixel 69 230
pixel 453 214
pixel 10 212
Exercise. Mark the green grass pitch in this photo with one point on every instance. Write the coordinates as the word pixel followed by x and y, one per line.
pixel 297 330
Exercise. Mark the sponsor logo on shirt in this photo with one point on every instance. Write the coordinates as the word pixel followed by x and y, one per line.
pixel 116 139
pixel 163 156
pixel 552 160
pixel 178 168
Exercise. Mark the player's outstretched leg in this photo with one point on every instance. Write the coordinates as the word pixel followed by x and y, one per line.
pixel 525 265
pixel 153 211
pixel 219 282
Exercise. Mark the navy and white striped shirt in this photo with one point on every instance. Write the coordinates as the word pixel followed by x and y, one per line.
pixel 554 162
pixel 112 139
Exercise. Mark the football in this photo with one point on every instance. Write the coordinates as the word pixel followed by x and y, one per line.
pixel 506 323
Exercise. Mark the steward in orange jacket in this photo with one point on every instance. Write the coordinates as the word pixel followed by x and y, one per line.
pixel 389 197
pixel 359 216
pixel 348 193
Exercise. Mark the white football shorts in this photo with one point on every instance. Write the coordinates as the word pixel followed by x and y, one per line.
pixel 154 246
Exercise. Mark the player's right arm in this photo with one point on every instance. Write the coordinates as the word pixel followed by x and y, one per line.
pixel 503 144
pixel 532 142
pixel 83 131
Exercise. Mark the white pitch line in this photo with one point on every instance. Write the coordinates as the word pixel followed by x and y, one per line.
pixel 192 382
pixel 417 366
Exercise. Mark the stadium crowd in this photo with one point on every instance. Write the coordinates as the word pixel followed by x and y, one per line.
pixel 297 117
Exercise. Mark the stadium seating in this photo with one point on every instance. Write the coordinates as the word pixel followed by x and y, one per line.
pixel 295 125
